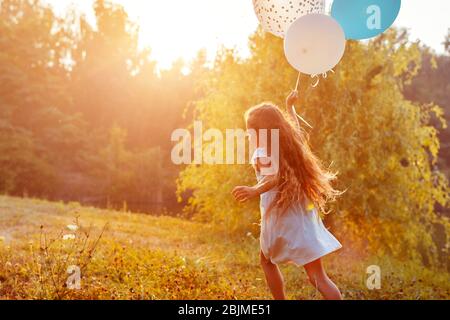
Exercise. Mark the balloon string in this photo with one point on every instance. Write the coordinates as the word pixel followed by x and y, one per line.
pixel 293 107
pixel 298 81
pixel 324 75
pixel 301 118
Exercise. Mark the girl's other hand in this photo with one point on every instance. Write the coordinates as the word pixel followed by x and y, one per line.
pixel 292 99
pixel 243 194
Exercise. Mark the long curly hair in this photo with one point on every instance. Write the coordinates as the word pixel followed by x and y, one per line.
pixel 301 176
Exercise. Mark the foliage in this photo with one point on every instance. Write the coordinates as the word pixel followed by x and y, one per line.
pixel 64 86
pixel 381 144
pixel 127 174
pixel 23 166
pixel 432 85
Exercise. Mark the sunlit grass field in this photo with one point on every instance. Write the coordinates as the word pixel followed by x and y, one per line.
pixel 135 256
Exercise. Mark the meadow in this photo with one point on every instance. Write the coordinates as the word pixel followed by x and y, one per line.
pixel 126 255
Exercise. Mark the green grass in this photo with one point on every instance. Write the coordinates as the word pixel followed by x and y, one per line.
pixel 135 256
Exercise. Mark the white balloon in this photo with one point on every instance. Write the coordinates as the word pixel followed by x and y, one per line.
pixel 276 16
pixel 314 44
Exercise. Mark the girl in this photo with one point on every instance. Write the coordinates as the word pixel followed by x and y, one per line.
pixel 291 228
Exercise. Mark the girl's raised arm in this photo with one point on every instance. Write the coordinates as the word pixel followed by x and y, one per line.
pixel 291 100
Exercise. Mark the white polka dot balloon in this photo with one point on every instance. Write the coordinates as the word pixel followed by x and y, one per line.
pixel 276 16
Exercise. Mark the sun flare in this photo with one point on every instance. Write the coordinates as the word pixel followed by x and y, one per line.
pixel 179 29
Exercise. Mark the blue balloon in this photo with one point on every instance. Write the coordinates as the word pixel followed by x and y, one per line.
pixel 364 19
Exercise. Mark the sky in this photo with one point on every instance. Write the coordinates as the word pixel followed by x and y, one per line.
pixel 179 28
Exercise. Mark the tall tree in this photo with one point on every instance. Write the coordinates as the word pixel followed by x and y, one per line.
pixel 103 58
pixel 432 85
pixel 33 94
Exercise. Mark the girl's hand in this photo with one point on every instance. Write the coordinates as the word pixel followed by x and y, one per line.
pixel 243 194
pixel 292 99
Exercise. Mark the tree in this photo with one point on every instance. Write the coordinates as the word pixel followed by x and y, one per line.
pixel 24 167
pixel 67 88
pixel 33 95
pixel 33 47
pixel 432 85
pixel 131 178
pixel 103 58
pixel 380 143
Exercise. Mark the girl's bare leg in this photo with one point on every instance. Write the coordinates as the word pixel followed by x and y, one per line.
pixel 319 279
pixel 274 278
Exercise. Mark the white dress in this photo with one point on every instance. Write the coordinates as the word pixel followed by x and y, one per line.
pixel 296 236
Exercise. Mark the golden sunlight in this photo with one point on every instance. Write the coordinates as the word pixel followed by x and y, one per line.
pixel 133 168
pixel 179 29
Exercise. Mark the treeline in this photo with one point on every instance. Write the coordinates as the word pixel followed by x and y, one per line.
pixel 85 115
pixel 432 85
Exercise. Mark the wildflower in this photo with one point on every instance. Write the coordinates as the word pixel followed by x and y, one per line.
pixel 69 237
pixel 72 227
